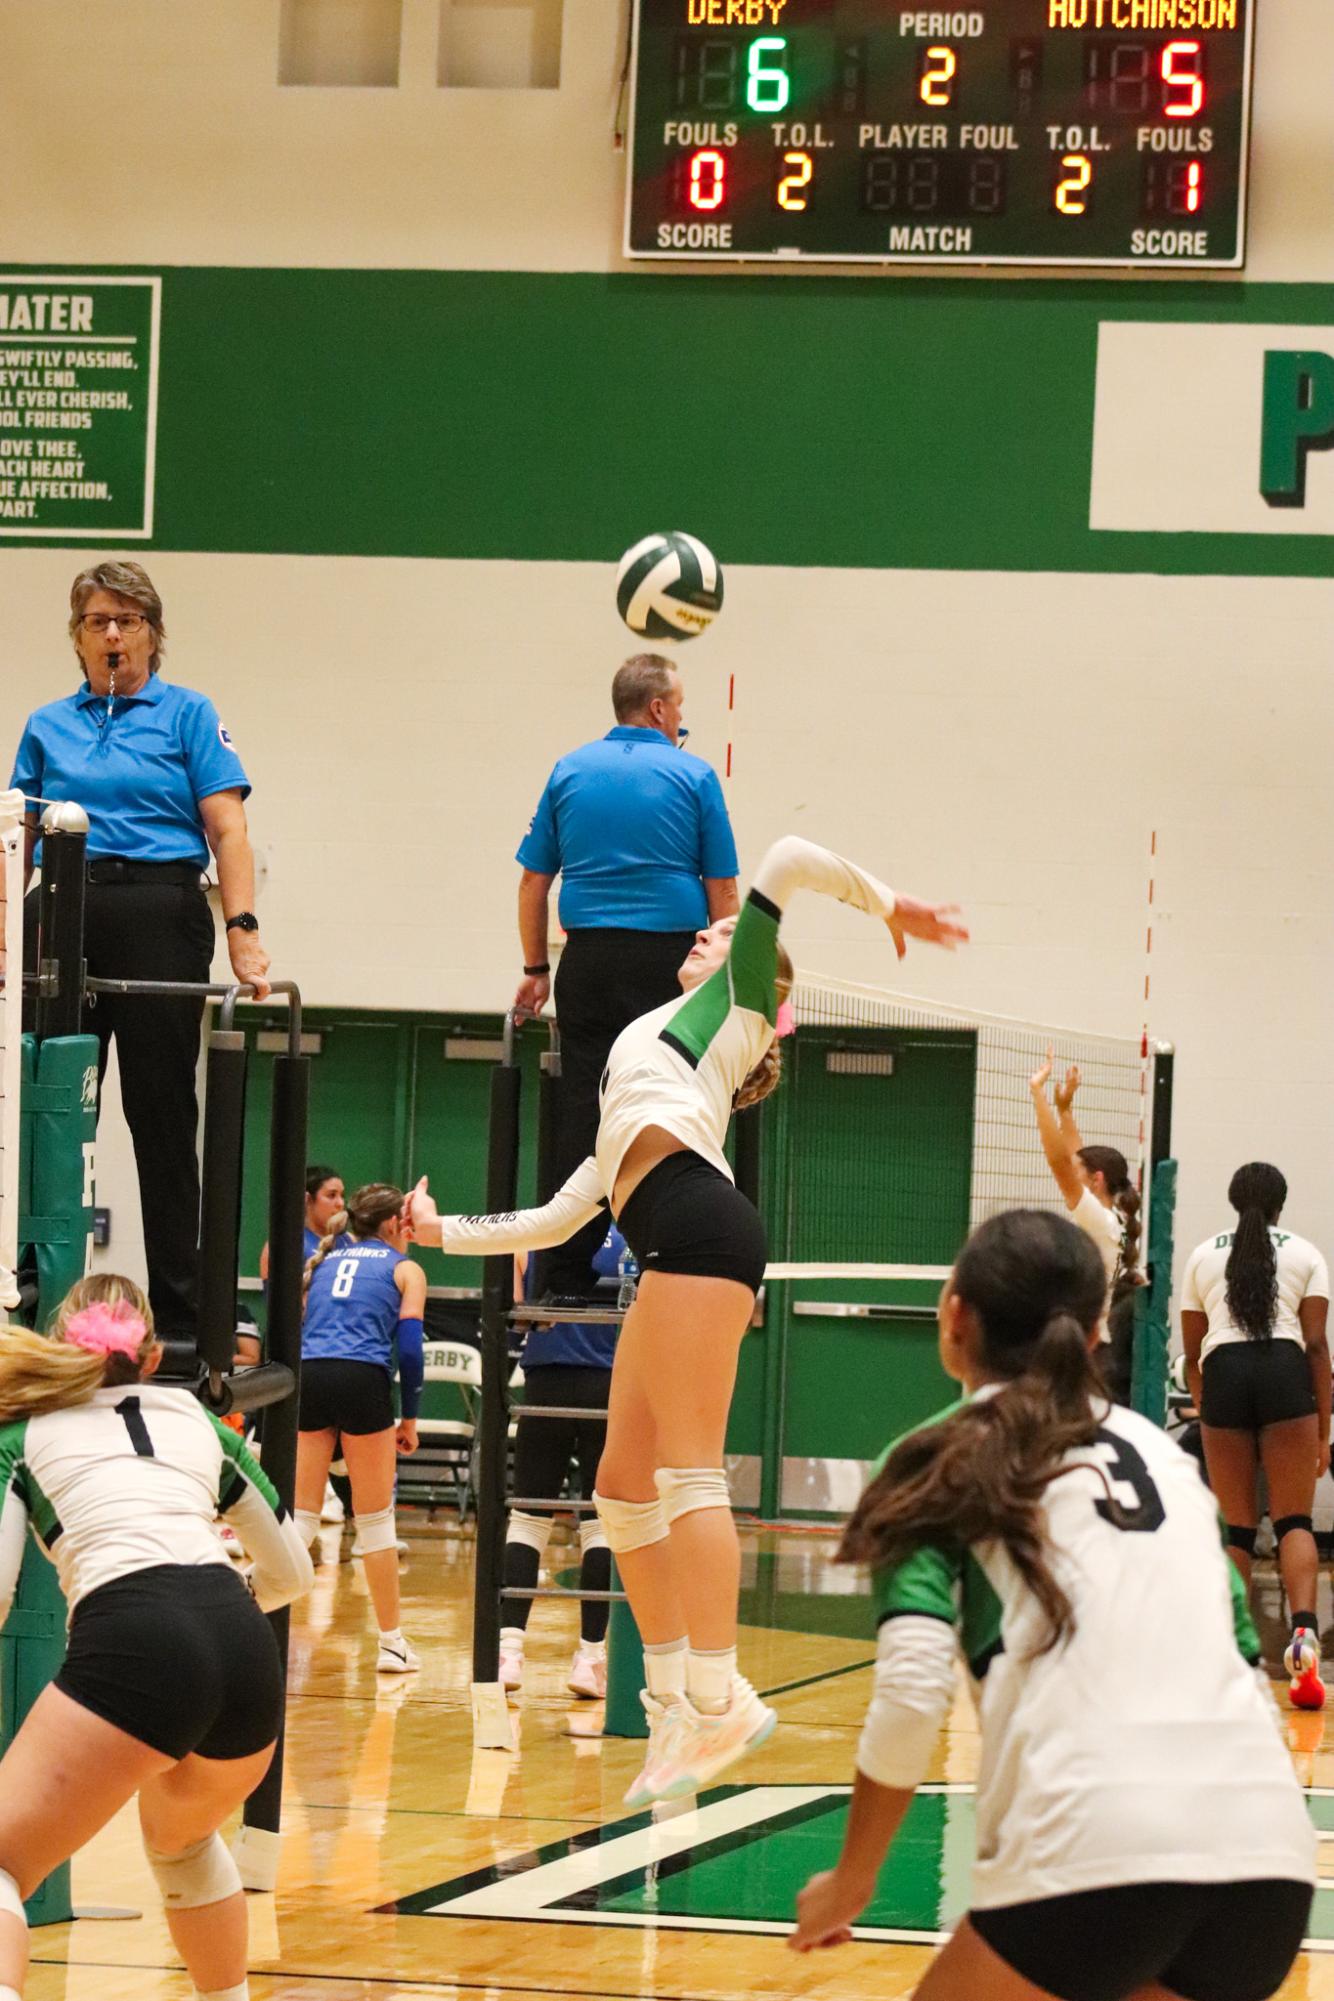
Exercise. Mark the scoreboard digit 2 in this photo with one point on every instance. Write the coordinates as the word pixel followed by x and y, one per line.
pixel 1058 132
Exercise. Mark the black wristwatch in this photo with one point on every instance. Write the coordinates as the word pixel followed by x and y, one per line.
pixel 534 972
pixel 244 920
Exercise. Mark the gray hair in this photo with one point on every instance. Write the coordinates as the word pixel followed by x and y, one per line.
pixel 638 682
pixel 123 580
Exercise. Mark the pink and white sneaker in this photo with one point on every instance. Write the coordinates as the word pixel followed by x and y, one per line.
pixel 511 1669
pixel 697 1748
pixel 588 1674
pixel 642 1790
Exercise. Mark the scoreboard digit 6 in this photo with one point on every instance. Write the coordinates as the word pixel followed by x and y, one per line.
pixel 1057 132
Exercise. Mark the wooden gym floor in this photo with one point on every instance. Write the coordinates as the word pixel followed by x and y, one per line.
pixel 412 1865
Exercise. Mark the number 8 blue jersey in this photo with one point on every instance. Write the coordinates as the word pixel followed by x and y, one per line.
pixel 353 1306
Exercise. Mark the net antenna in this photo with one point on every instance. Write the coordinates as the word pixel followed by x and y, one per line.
pixel 12 818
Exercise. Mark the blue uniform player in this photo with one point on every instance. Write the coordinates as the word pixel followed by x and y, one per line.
pixel 364 1297
pixel 567 1365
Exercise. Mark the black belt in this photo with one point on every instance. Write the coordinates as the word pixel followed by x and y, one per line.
pixel 111 868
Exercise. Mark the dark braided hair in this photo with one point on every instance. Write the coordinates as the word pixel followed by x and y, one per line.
pixel 1257 1192
pixel 1036 1284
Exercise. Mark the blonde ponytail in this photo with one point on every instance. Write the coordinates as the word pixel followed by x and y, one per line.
pixel 42 1373
pixel 763 1080
pixel 367 1210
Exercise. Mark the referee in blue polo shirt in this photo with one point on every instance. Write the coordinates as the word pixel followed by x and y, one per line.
pixel 637 830
pixel 162 786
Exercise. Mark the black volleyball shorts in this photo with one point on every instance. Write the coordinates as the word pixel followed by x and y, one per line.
pixel 180 1657
pixel 1251 1384
pixel 687 1217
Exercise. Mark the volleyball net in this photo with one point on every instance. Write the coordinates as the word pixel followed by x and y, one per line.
pixel 909 1122
pixel 11 1040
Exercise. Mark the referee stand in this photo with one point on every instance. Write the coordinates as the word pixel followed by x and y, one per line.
pixel 59 1121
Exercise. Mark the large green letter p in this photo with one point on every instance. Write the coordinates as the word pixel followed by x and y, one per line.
pixel 1298 418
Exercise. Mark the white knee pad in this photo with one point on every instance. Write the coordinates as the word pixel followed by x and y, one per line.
pixel 376 1532
pixel 10 1900
pixel 685 1490
pixel 533 1531
pixel 307 1524
pixel 592 1535
pixel 630 1524
pixel 204 1874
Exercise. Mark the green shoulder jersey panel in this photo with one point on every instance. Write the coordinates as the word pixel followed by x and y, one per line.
pixel 13 1439
pixel 939 1582
pixel 747 980
pixel 241 1469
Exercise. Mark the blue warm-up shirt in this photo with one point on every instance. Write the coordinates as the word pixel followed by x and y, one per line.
pixel 352 1314
pixel 582 1344
pixel 138 765
pixel 632 826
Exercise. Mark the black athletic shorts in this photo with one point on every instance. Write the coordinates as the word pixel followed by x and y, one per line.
pixel 1204 1941
pixel 179 1656
pixel 355 1397
pixel 1250 1384
pixel 687 1217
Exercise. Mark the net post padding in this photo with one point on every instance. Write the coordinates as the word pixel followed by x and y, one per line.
pixel 12 809
pixel 1007 1168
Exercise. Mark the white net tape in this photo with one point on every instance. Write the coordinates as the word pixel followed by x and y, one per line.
pixel 11 1015
pixel 1114 1106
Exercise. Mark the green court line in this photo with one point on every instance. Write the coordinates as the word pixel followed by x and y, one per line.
pixel 813 1680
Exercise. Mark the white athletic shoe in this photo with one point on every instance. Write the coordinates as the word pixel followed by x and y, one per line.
pixel 698 1748
pixel 642 1790
pixel 1301 1663
pixel 511 1669
pixel 588 1675
pixel 331 1508
pixel 396 1657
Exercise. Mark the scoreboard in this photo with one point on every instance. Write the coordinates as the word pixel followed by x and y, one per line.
pixel 1057 132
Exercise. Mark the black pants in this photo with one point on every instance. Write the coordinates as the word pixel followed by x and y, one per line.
pixel 154 931
pixel 604 980
pixel 546 1449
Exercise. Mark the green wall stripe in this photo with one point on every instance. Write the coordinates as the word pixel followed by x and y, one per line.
pixel 907 424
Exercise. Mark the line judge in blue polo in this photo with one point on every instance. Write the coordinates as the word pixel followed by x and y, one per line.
pixel 637 830
pixel 162 786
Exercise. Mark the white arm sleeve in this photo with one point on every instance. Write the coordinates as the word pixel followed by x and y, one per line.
pixel 13 1534
pixel 792 864
pixel 527 1229
pixel 282 1570
pixel 914 1687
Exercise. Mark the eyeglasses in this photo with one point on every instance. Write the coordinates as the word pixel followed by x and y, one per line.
pixel 127 622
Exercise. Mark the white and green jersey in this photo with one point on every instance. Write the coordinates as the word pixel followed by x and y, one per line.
pixel 135 1478
pixel 1300 1273
pixel 1142 1750
pixel 681 1066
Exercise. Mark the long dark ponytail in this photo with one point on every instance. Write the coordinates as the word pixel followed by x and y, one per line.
pixel 1037 1287
pixel 1257 1192
pixel 1112 1165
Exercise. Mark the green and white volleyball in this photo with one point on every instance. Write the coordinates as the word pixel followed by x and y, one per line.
pixel 669 587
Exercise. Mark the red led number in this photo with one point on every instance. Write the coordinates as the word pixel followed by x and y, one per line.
pixel 708 179
pixel 1183 79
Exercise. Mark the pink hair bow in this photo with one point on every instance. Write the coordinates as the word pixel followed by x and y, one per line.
pixel 786 1021
pixel 106 1330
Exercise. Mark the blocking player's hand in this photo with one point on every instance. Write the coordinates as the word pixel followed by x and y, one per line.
pixel 826 1909
pixel 931 923
pixel 1042 1075
pixel 1064 1094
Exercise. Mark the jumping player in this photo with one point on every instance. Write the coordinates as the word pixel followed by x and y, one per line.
pixel 1140 1831
pixel 1254 1302
pixel 361 1301
pixel 672 1082
pixel 172 1685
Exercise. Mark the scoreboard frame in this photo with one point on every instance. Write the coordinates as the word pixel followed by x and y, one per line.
pixel 704 254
